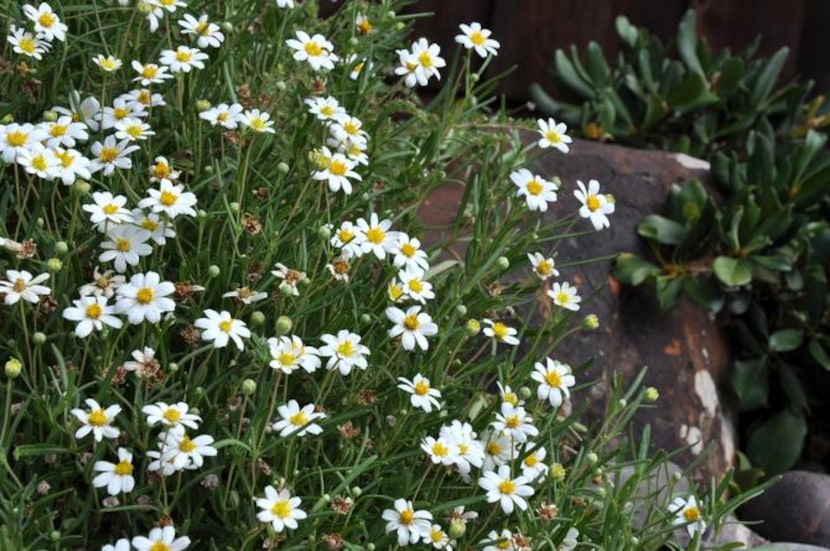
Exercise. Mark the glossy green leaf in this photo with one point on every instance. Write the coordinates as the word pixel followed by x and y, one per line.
pixel 628 32
pixel 596 66
pixel 792 387
pixel 768 76
pixel 819 353
pixel 687 42
pixel 566 71
pixel 732 271
pixel 730 78
pixel 750 381
pixel 705 291
pixel 661 229
pixel 786 340
pixel 668 290
pixel 775 444
pixel 633 270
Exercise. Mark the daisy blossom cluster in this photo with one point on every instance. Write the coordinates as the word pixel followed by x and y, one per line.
pixel 236 317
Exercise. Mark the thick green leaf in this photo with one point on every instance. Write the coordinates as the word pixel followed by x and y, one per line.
pixel 705 291
pixel 733 271
pixel 628 32
pixel 687 42
pixel 792 387
pixel 819 353
pixel 566 71
pixel 786 340
pixel 656 111
pixel 661 229
pixel 768 76
pixel 761 167
pixel 775 444
pixel 668 289
pixel 815 294
pixel 730 77
pixel 597 67
pixel 690 88
pixel 750 381
pixel 633 270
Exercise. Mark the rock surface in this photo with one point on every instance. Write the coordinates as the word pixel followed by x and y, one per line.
pixel 687 356
pixel 796 508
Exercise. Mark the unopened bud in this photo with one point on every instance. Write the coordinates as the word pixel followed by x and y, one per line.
pixel 50 116
pixel 558 472
pixel 248 387
pixel 503 263
pixel 283 168
pixel 257 318
pixel 13 368
pixel 61 248
pixel 54 265
pixel 324 232
pixel 213 271
pixel 81 187
pixel 202 105
pixel 356 491
pixel 283 325
pixel 39 338
pixel 592 458
pixel 172 367
pixel 458 527
pixel 365 319
pixel 472 327
pixel 651 394
pixel 525 393
pixel 590 322
pixel 461 310
pixel 286 288
pixel 226 26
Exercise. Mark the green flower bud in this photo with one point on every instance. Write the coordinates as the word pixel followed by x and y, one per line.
pixel 54 265
pixel 503 263
pixel 283 325
pixel 283 168
pixel 172 367
pixel 50 116
pixel 208 169
pixel 558 472
pixel 39 338
pixel 13 368
pixel 472 327
pixel 324 232
pixel 201 213
pixel 55 536
pixel 7 119
pixel 197 411
pixel 592 458
pixel 234 207
pixel 248 387
pixel 200 391
pixel 651 394
pixel 281 86
pixel 286 289
pixel 590 322
pixel 458 527
pixel 213 271
pixel 257 319
pixel 353 41
pixel 61 248
pixel 202 105
pixel 365 319
pixel 461 310
pixel 81 187
pixel 622 402
pixel 356 491
pixel 226 26
pixel 525 393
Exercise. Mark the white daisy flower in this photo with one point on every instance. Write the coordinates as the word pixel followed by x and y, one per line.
pixel 18 138
pixel 182 452
pixel 325 109
pixel 97 420
pixel 227 116
pixel 132 130
pixel 542 267
pixel 159 230
pixel 65 132
pixel 477 38
pixel 108 210
pixel 499 541
pixel 687 512
pixel 183 59
pixel 344 351
pixel 220 327
pixel 108 64
pixel 92 313
pixel 349 239
pixel 408 253
pixel 102 284
pixel 289 354
pixel 150 73
pixel 554 380
pixel 71 166
pixel 515 423
pixel 335 169
pixel 378 238
pixel 410 525
pixel 40 162
pixel 553 135
pixel 115 477
pixel 595 206
pixel 27 43
pixel 22 285
pixel 121 545
pixel 412 326
pixel 414 285
pixel 499 449
pixel 315 50
pixel 298 420
pixel 109 155
pixel 439 451
pixel 170 199
pixel 125 245
pixel 280 508
pixel 564 296
pixel 47 22
pixel 537 191
pixel 422 395
pixel 500 332
pixel 171 415
pixel 258 121
pixel 145 297
pixel 207 34
pixel 161 539
pixel 509 492
pixel 533 465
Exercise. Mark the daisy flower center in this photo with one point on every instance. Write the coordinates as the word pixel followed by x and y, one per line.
pixel 345 236
pixel 27 45
pixel 375 235
pixel 691 514
pixel 553 136
pixel 341 267
pixel 407 516
pixel 506 544
pixel 493 448
pixel 123 468
pixel 226 325
pixel 416 285
pixel 161 170
pixel 351 128
pixel 531 460
pixel 144 97
pixel 440 450
pixel 97 418
pixel 201 27
pixel 57 130
pixel 183 56
pixel 553 379
pixel 510 398
pixel 121 112
pixel 365 26
pixel 94 311
pixel 563 298
pixel 534 187
pixel 187 445
pixel 327 110
pixel 512 422
pixel 108 154
pixel 17 138
pixel 150 71
pixel 299 419
pixel 134 131
pixel 172 415
pixel 168 198
pixel 411 322
pixel 122 244
pixel 110 209
pixel 345 349
pixel 499 330
pixel 592 202
pixel 395 292
pixel 258 124
pixel 66 158
pixel 408 250
pixel 544 267
pixel 338 168
pixel 436 535
pixel 19 285
pixel 507 487
pixel 145 295
pixel 422 388
pixel 287 358
pixel 149 225
pixel 39 162
pixel 281 508
pixel 159 546
pixel 313 49
pixel 109 64
pixel 46 20
pixel 223 116
pixel 425 59
pixel 477 38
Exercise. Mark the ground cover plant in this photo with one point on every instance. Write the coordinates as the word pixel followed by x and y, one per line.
pixel 221 328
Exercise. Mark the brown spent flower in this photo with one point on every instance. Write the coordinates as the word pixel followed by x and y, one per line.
pixel 333 541
pixel 341 505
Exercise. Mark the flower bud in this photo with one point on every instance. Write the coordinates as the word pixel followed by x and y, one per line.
pixel 503 263
pixel 201 213
pixel 226 26
pixel 13 368
pixel 257 319
pixel 81 187
pixel 202 105
pixel 283 325
pixel 622 402
pixel 353 41
pixel 55 536
pixel 324 232
pixel 61 248
pixel 356 491
pixel 7 119
pixel 172 367
pixel 283 167
pixel 39 338
pixel 365 319
pixel 651 394
pixel 234 207
pixel 558 472
pixel 461 310
pixel 248 387
pixel 281 86
pixel 525 393
pixel 472 327
pixel 590 322
pixel 286 289
pixel 50 116
pixel 458 527
pixel 54 265
pixel 592 458
pixel 213 271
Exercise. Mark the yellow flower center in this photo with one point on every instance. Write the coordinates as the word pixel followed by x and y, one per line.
pixel 134 131
pixel 202 27
pixel 97 418
pixel 66 158
pixel 149 225
pixel 159 545
pixel 109 64
pixel 110 209
pixel 395 292
pixel 411 322
pixel 150 71
pixel 425 59
pixel 345 236
pixel 172 415
pixel 415 285
pixel 145 295
pixel 345 349
pixel 17 138
pixel 407 516
pixel 341 267
pixel 161 170
pixel 27 45
pixel 184 56
pixel 281 508
pixel 39 162
pixel 500 330
pixel 534 187
pixel 477 38
pixel 313 49
pixel 375 235
pixel 124 468
pixel 57 130
pixel 493 447
pixel 258 124
pixel 352 128
pixel 510 398
pixel 506 544
pixel 47 19
pixel 563 298
pixel 592 202
pixel 422 388
pixel 108 154
pixel 531 460
pixel 187 445
pixel 440 450
pixel 544 268
pixel 19 285
pixel 553 136
pixel 408 250
pixel 512 421
pixel 223 116
pixel 144 97
pixel 168 198
pixel 122 244
pixel 691 514
pixel 287 358
pixel 327 110
pixel 365 26
pixel 226 325
pixel 338 168
pixel 298 419
pixel 121 112
pixel 94 311
pixel 553 379
pixel 507 487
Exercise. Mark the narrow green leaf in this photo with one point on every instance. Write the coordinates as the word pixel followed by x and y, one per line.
pixel 768 76
pixel 819 354
pixel 687 42
pixel 566 71
pixel 597 67
pixel 628 32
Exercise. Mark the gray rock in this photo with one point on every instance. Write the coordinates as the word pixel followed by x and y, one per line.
pixel 796 509
pixel 777 546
